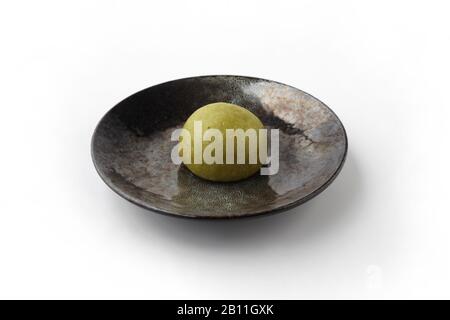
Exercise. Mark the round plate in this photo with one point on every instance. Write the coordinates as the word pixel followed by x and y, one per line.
pixel 131 148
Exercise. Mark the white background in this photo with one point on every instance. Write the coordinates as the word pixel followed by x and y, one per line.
pixel 382 229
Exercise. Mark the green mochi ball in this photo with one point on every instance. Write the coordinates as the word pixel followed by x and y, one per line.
pixel 223 116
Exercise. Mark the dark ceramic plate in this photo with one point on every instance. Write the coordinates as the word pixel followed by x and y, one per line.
pixel 131 148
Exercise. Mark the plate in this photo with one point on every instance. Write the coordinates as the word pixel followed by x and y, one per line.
pixel 131 148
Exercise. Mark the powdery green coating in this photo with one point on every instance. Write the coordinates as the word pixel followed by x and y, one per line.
pixel 223 116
